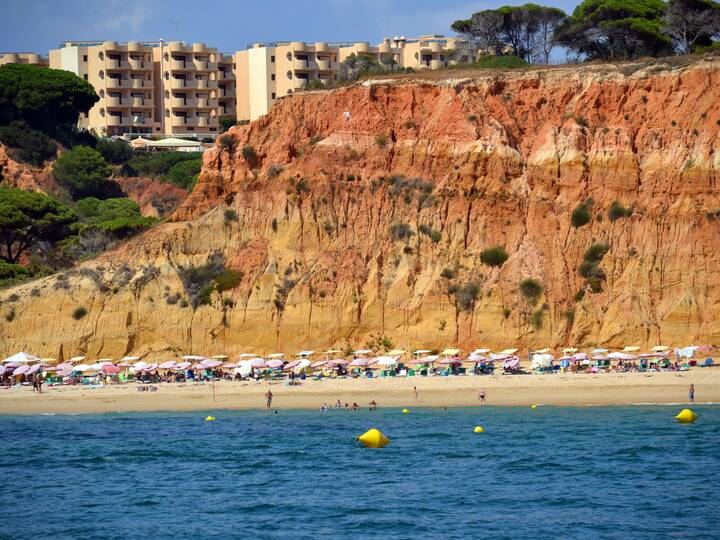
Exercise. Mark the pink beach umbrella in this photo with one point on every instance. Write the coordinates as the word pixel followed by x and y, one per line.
pixel 21 369
pixel 211 364
pixel 170 364
pixel 34 369
pixel 229 365
pixel 360 362
pixel 451 360
pixel 339 362
pixel 291 365
pixel 321 363
pixel 182 366
pixel 275 363
pixel 111 369
pixel 257 363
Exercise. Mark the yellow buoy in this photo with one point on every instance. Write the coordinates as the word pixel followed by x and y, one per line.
pixel 209 418
pixel 478 429
pixel 686 416
pixel 406 411
pixel 373 439
pixel 533 406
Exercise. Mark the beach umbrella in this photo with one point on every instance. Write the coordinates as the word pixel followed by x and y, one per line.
pixel 257 363
pixel 276 355
pixel 210 364
pixel 111 369
pixel 274 363
pixel 194 357
pixel 305 354
pixel 421 351
pixel 2 370
pixel 81 368
pixel 229 365
pixel 247 355
pixel 361 352
pixel 360 362
pixel 450 360
pixel 385 361
pixel 291 365
pixel 220 357
pixel 339 362
pixel 477 358
pixel 621 356
pixel 150 367
pixel 130 358
pixel 182 366
pixel 321 363
pixel 21 358
pixel 498 356
pixel 580 356
pixel 77 359
pixel 302 364
pixel 34 369
pixel 21 369
pixel 170 364
pixel 542 360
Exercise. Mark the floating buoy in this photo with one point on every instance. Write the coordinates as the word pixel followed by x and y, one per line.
pixel 533 406
pixel 686 416
pixel 406 411
pixel 478 429
pixel 209 418
pixel 373 439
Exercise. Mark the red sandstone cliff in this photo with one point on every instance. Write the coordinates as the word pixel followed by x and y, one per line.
pixel 497 160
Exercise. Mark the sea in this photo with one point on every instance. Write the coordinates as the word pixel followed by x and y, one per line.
pixel 546 473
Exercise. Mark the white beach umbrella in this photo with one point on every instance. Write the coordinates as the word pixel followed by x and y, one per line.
pixel 21 358
pixel 386 361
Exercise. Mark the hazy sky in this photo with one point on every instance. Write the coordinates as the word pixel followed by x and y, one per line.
pixel 39 25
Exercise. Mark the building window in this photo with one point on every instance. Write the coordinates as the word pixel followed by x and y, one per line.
pixel 272 96
pixel 84 57
pixel 272 77
pixel 85 76
pixel 272 59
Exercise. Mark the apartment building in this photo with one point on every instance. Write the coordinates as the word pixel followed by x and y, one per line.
pixel 122 75
pixel 188 101
pixel 226 85
pixel 23 58
pixel 267 71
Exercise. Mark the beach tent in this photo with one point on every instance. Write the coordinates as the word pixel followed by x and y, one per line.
pixel 386 361
pixel 542 360
pixel 139 143
pixel 21 358
pixel 175 144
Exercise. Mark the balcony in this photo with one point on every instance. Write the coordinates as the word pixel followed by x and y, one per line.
pixel 180 65
pixel 304 65
pixel 116 101
pixel 112 82
pixel 111 120
pixel 116 64
pixel 177 84
pixel 203 121
pixel 228 75
pixel 205 84
pixel 178 121
pixel 141 83
pixel 138 64
pixel 180 103
pixel 204 65
pixel 327 65
pixel 205 103
pixel 141 102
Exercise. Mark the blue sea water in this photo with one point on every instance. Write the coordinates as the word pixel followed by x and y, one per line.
pixel 549 473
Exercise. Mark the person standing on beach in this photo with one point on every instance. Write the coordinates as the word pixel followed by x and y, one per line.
pixel 481 396
pixel 691 394
pixel 268 398
pixel 416 394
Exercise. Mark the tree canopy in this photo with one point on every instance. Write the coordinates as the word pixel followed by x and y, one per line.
pixel 616 29
pixel 83 171
pixel 691 23
pixel 27 218
pixel 48 100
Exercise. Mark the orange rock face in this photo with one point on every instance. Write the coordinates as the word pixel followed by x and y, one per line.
pixel 363 212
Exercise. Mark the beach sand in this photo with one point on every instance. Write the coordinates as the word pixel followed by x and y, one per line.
pixel 558 389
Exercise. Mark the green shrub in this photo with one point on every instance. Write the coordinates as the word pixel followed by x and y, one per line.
pixel 250 155
pixel 580 216
pixel 506 313
pixel 184 174
pixel 617 211
pixel 12 273
pixel 115 151
pixel 381 141
pixel 83 171
pixel 531 289
pixel 79 313
pixel 448 273
pixel 228 280
pixel 226 122
pixel 536 319
pixel 435 235
pixel 230 215
pixel 400 231
pixel 199 281
pixel 27 145
pixel 155 165
pixel 596 252
pixel 467 295
pixel 494 256
pixel 95 211
pixel 126 227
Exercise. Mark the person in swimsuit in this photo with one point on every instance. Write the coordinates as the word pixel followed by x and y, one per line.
pixel 268 398
pixel 481 396
pixel 691 394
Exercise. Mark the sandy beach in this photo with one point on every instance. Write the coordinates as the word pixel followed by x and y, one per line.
pixel 558 389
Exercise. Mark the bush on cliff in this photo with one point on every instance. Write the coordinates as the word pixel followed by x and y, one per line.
pixel 494 257
pixel 618 211
pixel 120 218
pixel 114 151
pixel 156 165
pixel 531 289
pixel 184 174
pixel 27 145
pixel 581 216
pixel 83 171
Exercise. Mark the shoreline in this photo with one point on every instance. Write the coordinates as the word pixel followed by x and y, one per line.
pixel 601 389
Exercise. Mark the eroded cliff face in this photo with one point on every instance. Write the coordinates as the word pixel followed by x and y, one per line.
pixel 327 186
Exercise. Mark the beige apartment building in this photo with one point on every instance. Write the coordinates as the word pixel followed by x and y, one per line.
pixel 188 100
pixel 23 58
pixel 266 72
pixel 226 85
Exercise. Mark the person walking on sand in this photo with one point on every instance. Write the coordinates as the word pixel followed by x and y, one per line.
pixel 691 394
pixel 481 396
pixel 268 398
pixel 416 394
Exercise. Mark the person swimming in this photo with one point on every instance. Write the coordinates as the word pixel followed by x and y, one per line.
pixel 373 405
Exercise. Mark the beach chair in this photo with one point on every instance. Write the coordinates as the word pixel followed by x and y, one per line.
pixel 707 363
pixel 411 373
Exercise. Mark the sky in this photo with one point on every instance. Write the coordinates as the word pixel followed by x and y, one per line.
pixel 40 25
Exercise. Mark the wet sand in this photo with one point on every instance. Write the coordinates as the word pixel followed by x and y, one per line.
pixel 521 390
